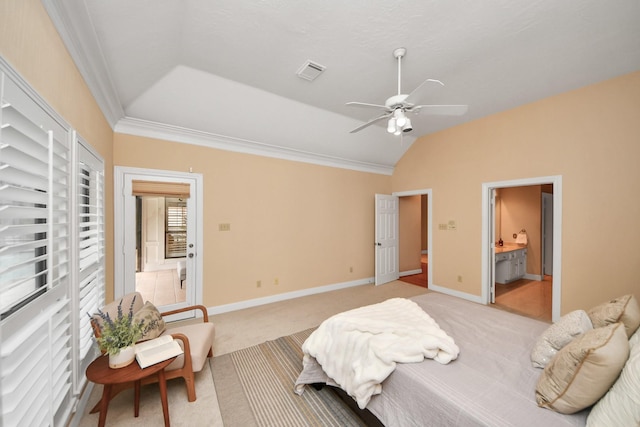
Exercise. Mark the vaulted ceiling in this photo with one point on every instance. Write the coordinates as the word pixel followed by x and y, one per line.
pixel 223 72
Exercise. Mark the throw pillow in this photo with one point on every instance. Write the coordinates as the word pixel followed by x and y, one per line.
pixel 556 336
pixel 584 370
pixel 624 309
pixel 635 339
pixel 153 323
pixel 620 406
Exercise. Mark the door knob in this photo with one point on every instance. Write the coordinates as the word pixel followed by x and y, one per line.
pixel 190 255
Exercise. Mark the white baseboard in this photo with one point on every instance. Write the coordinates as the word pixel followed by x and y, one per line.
pixel 219 309
pixel 533 277
pixel 410 272
pixel 454 293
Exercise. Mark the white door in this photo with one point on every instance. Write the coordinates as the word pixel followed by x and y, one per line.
pixel 492 245
pixel 386 242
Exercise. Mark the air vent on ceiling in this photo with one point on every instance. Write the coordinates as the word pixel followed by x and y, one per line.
pixel 310 70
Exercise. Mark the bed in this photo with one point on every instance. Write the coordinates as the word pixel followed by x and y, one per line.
pixel 491 383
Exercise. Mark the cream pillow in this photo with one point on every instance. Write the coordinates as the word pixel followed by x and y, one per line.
pixel 583 371
pixel 635 338
pixel 624 309
pixel 152 322
pixel 621 405
pixel 556 336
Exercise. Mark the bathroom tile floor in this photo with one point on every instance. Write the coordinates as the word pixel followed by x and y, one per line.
pixel 531 298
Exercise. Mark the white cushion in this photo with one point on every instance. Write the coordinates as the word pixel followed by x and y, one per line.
pixel 556 336
pixel 621 405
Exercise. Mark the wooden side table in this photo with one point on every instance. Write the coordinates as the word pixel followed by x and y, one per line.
pixel 99 372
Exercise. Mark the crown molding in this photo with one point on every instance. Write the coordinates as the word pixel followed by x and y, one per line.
pixel 139 127
pixel 73 23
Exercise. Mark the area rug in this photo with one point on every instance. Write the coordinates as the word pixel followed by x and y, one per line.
pixel 255 388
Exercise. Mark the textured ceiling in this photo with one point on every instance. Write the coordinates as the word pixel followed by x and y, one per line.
pixel 228 67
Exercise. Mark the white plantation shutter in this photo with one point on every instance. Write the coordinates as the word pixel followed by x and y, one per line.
pixel 35 259
pixel 90 248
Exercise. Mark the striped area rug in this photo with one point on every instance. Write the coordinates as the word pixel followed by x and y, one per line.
pixel 255 388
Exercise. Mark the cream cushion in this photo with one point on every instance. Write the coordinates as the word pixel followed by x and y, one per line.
pixel 635 338
pixel 624 309
pixel 201 336
pixel 152 322
pixel 621 405
pixel 583 371
pixel 556 336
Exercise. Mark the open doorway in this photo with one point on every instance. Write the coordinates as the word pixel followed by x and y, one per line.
pixel 127 197
pixel 161 248
pixel 521 285
pixel 387 235
pixel 515 276
pixel 413 244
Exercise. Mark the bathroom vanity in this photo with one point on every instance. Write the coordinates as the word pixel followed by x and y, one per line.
pixel 511 263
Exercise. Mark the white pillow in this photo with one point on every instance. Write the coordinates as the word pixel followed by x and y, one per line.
pixel 621 405
pixel 558 335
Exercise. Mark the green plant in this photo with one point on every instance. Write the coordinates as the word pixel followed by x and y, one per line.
pixel 120 332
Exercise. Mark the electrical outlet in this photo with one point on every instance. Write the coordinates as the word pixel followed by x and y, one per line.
pixel 224 227
pixel 258 283
pixel 459 279
pixel 350 269
pixel 276 281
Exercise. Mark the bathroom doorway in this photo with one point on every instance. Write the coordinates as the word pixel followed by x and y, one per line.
pixel 509 209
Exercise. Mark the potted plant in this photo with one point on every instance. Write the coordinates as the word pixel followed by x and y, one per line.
pixel 118 336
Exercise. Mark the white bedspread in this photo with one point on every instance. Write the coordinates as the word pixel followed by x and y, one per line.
pixel 359 348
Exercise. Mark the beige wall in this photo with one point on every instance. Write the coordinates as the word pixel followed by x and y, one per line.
pixel 521 208
pixel 410 212
pixel 303 224
pixel 589 136
pixel 30 43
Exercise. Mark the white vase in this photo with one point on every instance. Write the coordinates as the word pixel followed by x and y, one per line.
pixel 123 358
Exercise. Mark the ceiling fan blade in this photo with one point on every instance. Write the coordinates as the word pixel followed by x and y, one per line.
pixel 372 121
pixel 442 110
pixel 366 105
pixel 418 93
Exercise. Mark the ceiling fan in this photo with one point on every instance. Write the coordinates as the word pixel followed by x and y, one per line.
pixel 396 107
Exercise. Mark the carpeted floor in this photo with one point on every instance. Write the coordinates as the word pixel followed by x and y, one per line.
pixel 255 388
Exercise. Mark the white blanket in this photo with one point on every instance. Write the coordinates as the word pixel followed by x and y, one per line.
pixel 359 348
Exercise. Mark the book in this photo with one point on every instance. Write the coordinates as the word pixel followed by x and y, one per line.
pixel 156 350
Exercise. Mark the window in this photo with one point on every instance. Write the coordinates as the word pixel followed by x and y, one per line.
pixel 89 263
pixel 34 174
pixel 176 228
pixel 51 257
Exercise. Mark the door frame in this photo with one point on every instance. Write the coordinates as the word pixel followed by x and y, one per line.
pixel 122 277
pixel 488 218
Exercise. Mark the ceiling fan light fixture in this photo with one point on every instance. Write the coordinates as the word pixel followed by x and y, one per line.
pixel 401 119
pixel 391 125
pixel 407 126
